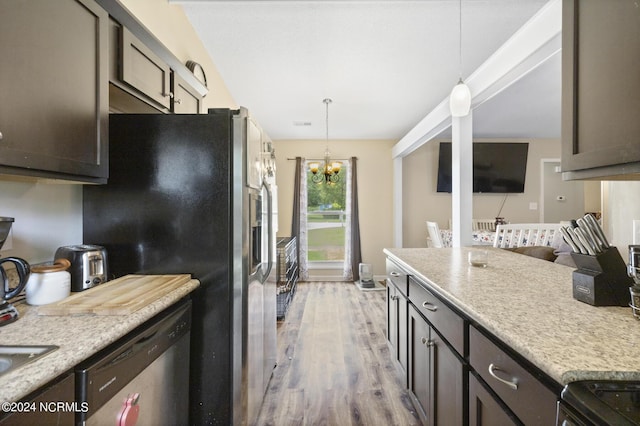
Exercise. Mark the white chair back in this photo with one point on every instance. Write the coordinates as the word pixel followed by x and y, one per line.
pixel 525 234
pixel 483 224
pixel 434 234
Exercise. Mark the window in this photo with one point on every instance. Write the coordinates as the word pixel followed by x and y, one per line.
pixel 326 216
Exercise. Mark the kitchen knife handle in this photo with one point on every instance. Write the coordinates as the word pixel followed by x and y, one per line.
pixel 585 241
pixel 599 232
pixel 593 241
pixel 569 240
pixel 576 240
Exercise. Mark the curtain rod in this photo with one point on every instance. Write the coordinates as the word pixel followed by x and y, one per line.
pixel 322 159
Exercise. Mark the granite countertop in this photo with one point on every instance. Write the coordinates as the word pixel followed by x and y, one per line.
pixel 528 304
pixel 78 336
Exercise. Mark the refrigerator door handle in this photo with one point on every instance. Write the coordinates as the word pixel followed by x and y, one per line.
pixel 269 232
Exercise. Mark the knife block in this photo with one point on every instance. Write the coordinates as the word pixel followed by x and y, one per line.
pixel 601 280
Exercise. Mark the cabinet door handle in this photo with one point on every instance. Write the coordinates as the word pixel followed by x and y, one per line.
pixel 0 136
pixel 177 101
pixel 393 297
pixel 512 384
pixel 394 274
pixel 168 95
pixel 429 306
pixel 427 342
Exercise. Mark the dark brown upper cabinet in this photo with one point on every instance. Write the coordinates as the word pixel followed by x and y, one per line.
pixel 185 100
pixel 143 70
pixel 54 85
pixel 141 81
pixel 600 89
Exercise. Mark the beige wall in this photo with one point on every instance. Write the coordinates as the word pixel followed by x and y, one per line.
pixel 375 188
pixel 421 202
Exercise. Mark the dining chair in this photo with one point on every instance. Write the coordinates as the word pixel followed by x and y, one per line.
pixel 434 234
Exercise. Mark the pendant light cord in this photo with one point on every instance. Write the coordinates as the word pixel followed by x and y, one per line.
pixel 327 101
pixel 460 38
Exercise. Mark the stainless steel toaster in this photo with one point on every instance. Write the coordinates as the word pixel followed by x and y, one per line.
pixel 88 265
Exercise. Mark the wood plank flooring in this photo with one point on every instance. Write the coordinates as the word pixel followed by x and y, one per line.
pixel 334 366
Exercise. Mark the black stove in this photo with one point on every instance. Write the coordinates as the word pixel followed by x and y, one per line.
pixel 600 403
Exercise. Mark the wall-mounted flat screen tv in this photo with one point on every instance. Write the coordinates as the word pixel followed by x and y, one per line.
pixel 497 167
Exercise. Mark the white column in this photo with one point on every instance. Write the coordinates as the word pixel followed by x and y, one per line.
pixel 462 180
pixel 397 202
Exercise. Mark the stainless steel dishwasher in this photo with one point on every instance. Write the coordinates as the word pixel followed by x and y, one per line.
pixel 143 379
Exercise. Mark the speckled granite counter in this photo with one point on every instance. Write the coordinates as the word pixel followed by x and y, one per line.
pixel 78 337
pixel 527 303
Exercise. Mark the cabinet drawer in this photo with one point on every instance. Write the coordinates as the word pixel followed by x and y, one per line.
pixel 526 396
pixel 397 276
pixel 449 324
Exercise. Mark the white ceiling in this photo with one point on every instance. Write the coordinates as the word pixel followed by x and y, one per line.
pixel 385 64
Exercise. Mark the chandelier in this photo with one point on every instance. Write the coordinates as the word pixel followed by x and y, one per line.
pixel 328 170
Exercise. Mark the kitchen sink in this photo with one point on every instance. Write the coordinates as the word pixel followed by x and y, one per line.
pixel 15 356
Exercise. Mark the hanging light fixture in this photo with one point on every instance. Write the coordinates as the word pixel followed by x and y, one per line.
pixel 328 171
pixel 460 98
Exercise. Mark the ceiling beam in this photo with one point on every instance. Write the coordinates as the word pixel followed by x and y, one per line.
pixel 533 44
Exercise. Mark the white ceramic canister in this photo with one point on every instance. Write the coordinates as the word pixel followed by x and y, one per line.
pixel 48 282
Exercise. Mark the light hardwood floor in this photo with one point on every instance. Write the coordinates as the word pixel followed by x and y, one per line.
pixel 334 366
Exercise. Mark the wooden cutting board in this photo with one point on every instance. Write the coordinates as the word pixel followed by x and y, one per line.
pixel 121 296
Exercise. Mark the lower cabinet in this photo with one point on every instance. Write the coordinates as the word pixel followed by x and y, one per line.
pixel 397 327
pixel 435 374
pixel 484 409
pixel 397 302
pixel 52 405
pixel 457 373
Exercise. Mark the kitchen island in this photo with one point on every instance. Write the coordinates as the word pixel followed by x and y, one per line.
pixel 77 336
pixel 524 307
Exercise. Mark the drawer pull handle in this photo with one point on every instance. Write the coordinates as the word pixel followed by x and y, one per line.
pixel 492 369
pixel 429 306
pixel 394 274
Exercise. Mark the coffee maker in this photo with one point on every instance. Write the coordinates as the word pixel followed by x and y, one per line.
pixel 8 313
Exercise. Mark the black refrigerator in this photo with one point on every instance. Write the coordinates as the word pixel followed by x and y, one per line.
pixel 187 194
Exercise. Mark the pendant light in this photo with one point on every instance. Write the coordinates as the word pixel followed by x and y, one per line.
pixel 460 98
pixel 328 171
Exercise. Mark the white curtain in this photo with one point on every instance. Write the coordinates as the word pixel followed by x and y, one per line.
pixel 303 262
pixel 347 269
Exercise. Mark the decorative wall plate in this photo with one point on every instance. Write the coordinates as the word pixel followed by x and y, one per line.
pixel 197 71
